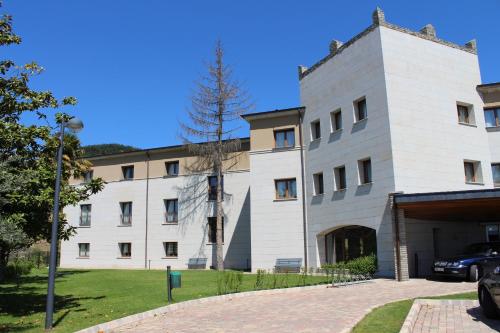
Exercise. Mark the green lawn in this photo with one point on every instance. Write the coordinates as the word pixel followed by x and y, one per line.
pixel 390 317
pixel 88 297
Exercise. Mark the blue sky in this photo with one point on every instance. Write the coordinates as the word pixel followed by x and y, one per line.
pixel 132 64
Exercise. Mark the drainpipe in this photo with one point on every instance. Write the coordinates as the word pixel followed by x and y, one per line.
pixel 148 157
pixel 304 217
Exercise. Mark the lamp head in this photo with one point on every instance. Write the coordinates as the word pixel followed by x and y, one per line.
pixel 74 124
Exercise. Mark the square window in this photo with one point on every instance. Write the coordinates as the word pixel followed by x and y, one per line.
pixel 85 214
pixel 286 188
pixel 492 117
pixel 212 188
pixel 495 169
pixel 336 120
pixel 172 168
pixel 128 172
pixel 315 130
pixel 83 250
pixel 212 230
pixel 87 176
pixel 170 249
pixel 171 210
pixel 126 215
pixel 318 183
pixel 472 171
pixel 340 178
pixel 365 171
pixel 492 233
pixel 465 114
pixel 125 250
pixel 284 138
pixel 360 109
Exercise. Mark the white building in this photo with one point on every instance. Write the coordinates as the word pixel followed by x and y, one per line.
pixel 386 155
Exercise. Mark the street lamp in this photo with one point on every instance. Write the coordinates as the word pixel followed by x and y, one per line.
pixel 74 125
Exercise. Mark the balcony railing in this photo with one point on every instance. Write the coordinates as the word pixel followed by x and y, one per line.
pixel 125 219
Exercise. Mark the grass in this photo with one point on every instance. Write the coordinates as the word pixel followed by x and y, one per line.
pixel 89 297
pixel 390 317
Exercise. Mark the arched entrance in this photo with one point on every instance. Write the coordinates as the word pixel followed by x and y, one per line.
pixel 349 242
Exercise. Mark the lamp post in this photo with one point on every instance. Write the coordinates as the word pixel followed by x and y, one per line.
pixel 75 125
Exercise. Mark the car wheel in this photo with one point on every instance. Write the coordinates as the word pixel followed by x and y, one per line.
pixel 489 307
pixel 473 273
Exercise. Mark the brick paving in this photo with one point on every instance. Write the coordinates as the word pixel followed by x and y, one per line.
pixel 313 310
pixel 436 316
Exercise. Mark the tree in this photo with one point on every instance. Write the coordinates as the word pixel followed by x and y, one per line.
pixel 27 157
pixel 216 103
pixel 106 148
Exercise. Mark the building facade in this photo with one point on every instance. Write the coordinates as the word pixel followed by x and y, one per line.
pixel 389 113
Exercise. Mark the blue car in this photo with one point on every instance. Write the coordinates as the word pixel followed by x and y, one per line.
pixel 478 259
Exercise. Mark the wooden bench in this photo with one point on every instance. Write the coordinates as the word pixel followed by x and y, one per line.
pixel 197 263
pixel 286 265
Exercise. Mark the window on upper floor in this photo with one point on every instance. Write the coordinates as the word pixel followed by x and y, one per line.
pixel 212 230
pixel 87 176
pixel 315 130
pixel 172 168
pixel 336 120
pixel 126 215
pixel 125 250
pixel 340 178
pixel 286 188
pixel 83 250
pixel 360 109
pixel 318 183
pixel 85 213
pixel 495 169
pixel 212 188
pixel 365 171
pixel 284 138
pixel 465 114
pixel 492 117
pixel 170 249
pixel 171 210
pixel 128 172
pixel 472 171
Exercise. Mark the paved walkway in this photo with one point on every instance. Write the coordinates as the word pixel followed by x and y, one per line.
pixel 314 310
pixel 435 316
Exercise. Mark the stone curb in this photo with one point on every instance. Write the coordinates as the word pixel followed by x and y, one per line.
pixel 410 320
pixel 110 325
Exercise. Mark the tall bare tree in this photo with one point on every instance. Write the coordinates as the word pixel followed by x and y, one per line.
pixel 216 103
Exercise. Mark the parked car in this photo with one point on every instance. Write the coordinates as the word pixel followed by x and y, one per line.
pixel 488 292
pixel 478 259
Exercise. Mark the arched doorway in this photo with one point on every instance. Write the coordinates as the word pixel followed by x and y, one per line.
pixel 349 243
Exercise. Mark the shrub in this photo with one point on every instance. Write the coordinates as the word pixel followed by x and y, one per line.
pixel 259 279
pixel 18 268
pixel 229 282
pixel 366 266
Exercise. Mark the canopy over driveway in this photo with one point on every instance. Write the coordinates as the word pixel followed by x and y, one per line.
pixel 437 224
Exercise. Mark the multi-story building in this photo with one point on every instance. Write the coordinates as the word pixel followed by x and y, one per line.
pixel 395 151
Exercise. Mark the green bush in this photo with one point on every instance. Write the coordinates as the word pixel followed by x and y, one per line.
pixel 229 282
pixel 18 268
pixel 366 266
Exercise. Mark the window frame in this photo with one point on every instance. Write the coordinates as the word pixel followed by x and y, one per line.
pixel 318 184
pixel 86 251
pixel 209 230
pixel 496 115
pixel 365 173
pixel 120 244
pixel 124 174
pixel 169 163
pixel 334 122
pixel 476 171
pixel 357 109
pixel 88 215
pixel 86 178
pixel 165 250
pixel 495 164
pixel 338 177
pixel 315 128
pixel 286 143
pixel 122 213
pixel 287 189
pixel 213 196
pixel 176 216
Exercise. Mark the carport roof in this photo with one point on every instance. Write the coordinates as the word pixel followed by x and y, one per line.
pixel 472 205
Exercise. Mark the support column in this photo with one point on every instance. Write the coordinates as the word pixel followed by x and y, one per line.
pixel 399 239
